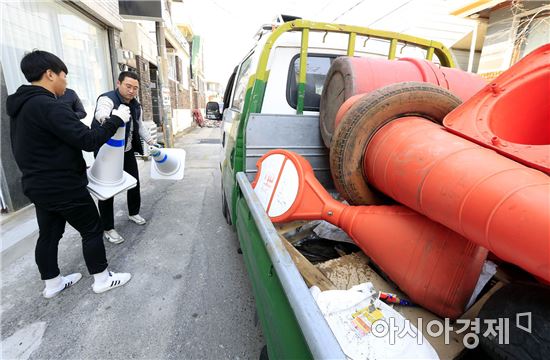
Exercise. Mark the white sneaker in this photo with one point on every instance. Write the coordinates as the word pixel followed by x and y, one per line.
pixel 113 236
pixel 112 281
pixel 60 283
pixel 137 219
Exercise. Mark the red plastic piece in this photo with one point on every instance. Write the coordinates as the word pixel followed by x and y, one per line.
pixel 491 200
pixel 197 116
pixel 345 107
pixel 512 114
pixel 434 266
pixel 353 76
pixel 377 73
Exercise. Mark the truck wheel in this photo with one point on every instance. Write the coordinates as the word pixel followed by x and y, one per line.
pixel 225 209
pixel 263 354
pixel 507 303
pixel 369 114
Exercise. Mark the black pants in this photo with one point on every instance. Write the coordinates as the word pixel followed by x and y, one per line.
pixel 133 195
pixel 83 216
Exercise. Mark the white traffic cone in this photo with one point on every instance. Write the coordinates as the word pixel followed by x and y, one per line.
pixel 106 177
pixel 168 164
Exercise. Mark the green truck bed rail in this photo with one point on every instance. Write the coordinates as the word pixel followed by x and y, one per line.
pixel 315 330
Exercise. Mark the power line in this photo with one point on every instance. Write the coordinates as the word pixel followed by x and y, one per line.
pixel 383 16
pixel 222 8
pixel 348 10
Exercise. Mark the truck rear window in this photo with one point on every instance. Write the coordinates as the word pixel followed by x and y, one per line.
pixel 212 106
pixel 316 72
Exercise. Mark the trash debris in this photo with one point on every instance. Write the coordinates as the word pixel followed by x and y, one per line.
pixel 331 232
pixel 202 122
pixel 317 249
pixel 489 269
pixel 211 123
pixel 367 328
pixel 390 298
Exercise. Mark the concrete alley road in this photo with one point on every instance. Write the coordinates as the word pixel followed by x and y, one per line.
pixel 189 298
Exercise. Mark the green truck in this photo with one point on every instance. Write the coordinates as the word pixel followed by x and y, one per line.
pixel 272 101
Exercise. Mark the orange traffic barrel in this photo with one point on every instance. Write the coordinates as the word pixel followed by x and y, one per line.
pixel 489 199
pixel 363 119
pixel 436 267
pixel 512 114
pixel 349 76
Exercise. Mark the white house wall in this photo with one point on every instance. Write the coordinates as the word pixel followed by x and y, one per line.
pixel 105 11
pixel 462 57
pixel 135 37
pixel 498 46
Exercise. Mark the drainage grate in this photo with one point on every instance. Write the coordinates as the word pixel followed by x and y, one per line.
pixel 209 141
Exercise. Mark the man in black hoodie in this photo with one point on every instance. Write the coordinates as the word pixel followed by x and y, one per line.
pixel 47 140
pixel 71 98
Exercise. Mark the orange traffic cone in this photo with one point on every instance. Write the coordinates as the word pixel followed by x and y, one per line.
pixel 106 177
pixel 168 164
pixel 434 266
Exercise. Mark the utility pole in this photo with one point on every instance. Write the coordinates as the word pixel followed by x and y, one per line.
pixel 163 85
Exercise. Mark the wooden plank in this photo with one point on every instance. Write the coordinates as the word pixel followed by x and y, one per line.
pixel 283 228
pixel 309 272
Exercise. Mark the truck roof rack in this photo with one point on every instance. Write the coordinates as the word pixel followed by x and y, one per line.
pixel 281 18
pixel 278 20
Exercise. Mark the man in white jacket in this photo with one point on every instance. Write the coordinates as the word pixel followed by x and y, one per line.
pixel 125 93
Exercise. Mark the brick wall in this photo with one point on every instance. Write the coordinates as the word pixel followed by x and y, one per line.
pixel 185 102
pixel 144 88
pixel 173 94
pixel 195 101
pixel 202 101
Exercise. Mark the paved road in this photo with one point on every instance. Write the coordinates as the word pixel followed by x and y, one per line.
pixel 189 297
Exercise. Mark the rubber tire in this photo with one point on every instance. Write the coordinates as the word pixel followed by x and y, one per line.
pixel 369 114
pixel 339 86
pixel 264 354
pixel 225 209
pixel 514 299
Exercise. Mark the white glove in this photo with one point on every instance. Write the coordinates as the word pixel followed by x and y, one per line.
pixel 122 112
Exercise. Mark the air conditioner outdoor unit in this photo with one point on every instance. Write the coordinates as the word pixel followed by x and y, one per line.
pixel 124 55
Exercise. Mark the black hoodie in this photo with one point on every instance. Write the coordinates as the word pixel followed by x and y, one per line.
pixel 47 138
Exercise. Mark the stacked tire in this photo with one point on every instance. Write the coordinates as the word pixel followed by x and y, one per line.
pixel 362 94
pixel 349 78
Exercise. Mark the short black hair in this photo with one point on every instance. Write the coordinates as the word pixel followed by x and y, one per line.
pixel 35 63
pixel 126 74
